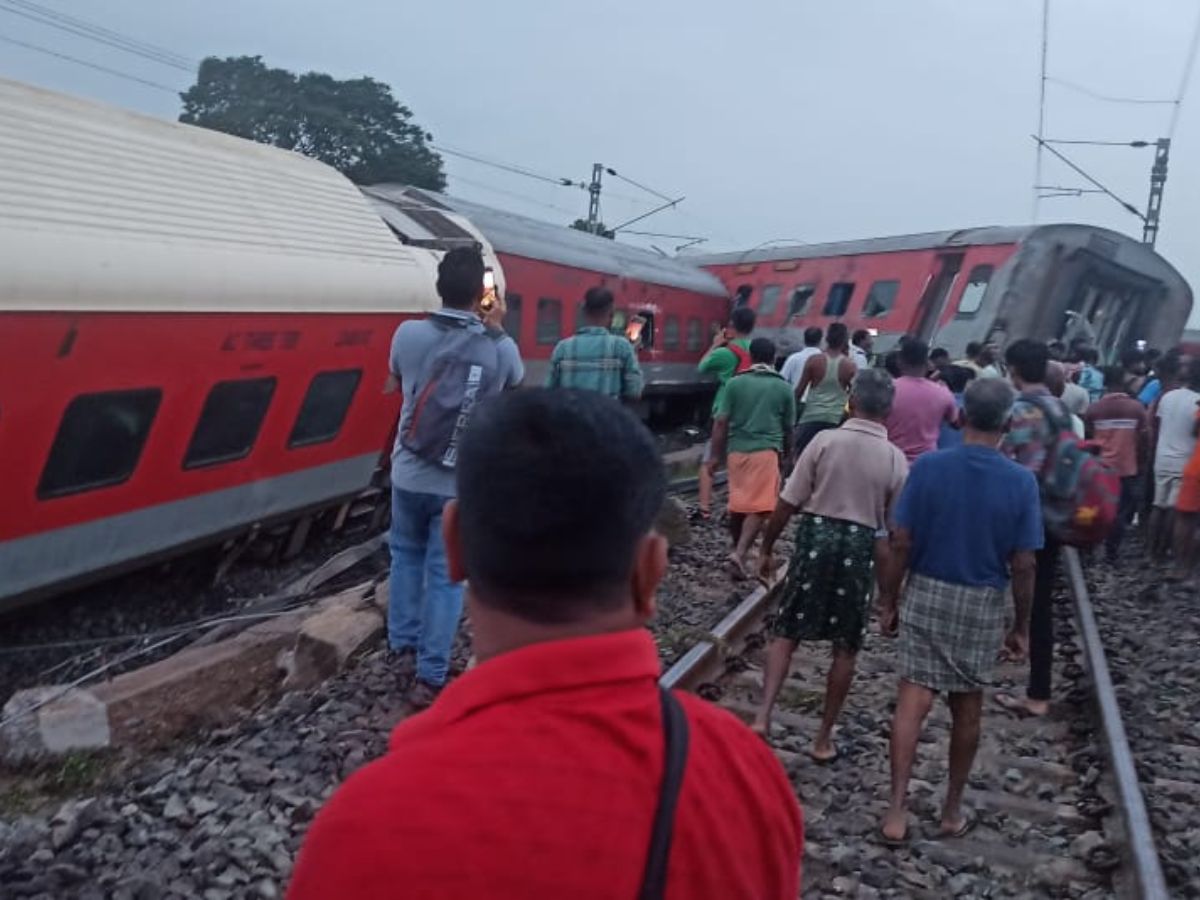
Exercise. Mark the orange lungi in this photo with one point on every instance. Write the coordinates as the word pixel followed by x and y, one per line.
pixel 753 481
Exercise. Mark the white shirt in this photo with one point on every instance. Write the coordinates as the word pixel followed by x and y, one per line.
pixel 1176 416
pixel 859 356
pixel 793 366
pixel 1075 398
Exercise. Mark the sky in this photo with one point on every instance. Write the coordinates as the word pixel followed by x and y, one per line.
pixel 777 120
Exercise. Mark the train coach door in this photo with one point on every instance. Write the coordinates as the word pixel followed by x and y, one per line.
pixel 937 293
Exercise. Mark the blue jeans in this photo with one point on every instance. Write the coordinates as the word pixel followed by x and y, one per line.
pixel 424 606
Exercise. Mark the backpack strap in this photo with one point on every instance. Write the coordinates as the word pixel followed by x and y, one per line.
pixel 743 357
pixel 675 733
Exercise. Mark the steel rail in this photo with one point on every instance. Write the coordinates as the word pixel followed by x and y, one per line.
pixel 1147 870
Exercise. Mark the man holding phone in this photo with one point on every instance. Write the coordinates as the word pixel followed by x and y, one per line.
pixel 443 364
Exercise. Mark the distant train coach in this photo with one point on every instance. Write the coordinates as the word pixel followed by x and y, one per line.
pixel 978 284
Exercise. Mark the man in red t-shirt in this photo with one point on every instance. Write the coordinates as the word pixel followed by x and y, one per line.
pixel 537 774
pixel 1119 424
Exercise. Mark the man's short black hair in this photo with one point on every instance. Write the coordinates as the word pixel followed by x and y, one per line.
pixel 973 349
pixel 1193 373
pixel 914 352
pixel 891 363
pixel 742 319
pixel 1132 357
pixel 1089 355
pixel 598 301
pixel 857 338
pixel 555 489
pixel 837 336
pixel 1171 364
pixel 762 350
pixel 1028 358
pixel 1057 349
pixel 956 378
pixel 812 336
pixel 460 277
pixel 1114 378
pixel 939 356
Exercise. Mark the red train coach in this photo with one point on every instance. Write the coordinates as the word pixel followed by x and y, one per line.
pixel 977 284
pixel 547 269
pixel 193 337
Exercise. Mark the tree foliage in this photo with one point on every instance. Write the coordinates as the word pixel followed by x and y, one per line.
pixel 355 125
pixel 582 225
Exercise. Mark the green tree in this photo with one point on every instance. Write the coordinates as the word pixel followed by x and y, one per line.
pixel 582 225
pixel 355 125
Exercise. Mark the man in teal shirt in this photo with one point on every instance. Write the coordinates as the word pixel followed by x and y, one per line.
pixel 595 359
pixel 730 354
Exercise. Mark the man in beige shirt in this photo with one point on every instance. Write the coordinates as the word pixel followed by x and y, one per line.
pixel 844 486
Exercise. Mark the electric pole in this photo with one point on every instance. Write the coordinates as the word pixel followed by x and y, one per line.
pixel 593 219
pixel 1158 179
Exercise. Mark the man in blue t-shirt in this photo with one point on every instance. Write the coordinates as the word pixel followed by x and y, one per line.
pixel 969 520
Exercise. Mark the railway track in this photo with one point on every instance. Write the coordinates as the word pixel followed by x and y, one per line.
pixel 1058 801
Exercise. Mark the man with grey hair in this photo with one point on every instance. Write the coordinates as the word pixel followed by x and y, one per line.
pixel 968 522
pixel 844 486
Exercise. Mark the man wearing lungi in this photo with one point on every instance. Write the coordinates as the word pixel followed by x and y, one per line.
pixel 844 486
pixel 969 520
pixel 754 417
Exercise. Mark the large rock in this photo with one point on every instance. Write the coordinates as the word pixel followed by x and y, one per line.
pixel 672 523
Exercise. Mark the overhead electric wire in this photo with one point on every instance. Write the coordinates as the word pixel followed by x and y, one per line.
pixel 89 31
pixel 1107 98
pixel 1125 203
pixel 91 65
pixel 615 174
pixel 522 197
pixel 507 167
pixel 1185 80
pixel 1041 128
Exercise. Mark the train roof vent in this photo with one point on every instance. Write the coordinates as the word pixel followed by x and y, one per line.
pixel 414 220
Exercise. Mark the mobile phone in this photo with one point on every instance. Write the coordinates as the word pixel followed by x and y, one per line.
pixel 489 290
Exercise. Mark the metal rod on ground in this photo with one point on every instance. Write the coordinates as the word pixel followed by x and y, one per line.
pixel 1143 855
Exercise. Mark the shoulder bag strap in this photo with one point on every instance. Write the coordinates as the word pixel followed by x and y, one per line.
pixel 675 732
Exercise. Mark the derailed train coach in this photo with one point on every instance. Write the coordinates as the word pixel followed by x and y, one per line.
pixel 978 284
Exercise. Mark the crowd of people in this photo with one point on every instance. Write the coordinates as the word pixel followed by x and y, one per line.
pixel 556 765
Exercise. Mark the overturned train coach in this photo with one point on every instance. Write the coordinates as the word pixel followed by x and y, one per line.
pixel 978 284
pixel 194 330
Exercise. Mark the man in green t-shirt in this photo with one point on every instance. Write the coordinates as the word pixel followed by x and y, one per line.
pixel 729 354
pixel 754 420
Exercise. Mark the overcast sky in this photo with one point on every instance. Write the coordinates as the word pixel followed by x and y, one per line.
pixel 806 119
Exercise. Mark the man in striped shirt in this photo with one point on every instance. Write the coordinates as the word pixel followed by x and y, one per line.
pixel 595 359
pixel 1119 424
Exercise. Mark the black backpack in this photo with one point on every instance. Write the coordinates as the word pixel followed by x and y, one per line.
pixel 462 370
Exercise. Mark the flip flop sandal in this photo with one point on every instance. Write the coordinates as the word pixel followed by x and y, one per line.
pixel 891 842
pixel 970 820
pixel 825 760
pixel 1013 705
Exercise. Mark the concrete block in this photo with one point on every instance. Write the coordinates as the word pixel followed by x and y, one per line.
pixel 197 686
pixel 49 721
pixel 328 639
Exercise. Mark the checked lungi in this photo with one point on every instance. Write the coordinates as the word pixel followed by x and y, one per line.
pixel 950 634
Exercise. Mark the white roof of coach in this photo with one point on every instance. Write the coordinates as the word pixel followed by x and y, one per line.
pixel 534 239
pixel 104 209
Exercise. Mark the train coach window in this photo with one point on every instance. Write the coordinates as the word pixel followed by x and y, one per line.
pixel 972 296
pixel 99 441
pixel 695 335
pixel 324 408
pixel 880 299
pixel 512 316
pixel 801 295
pixel 769 299
pixel 549 320
pixel 671 333
pixel 838 300
pixel 229 422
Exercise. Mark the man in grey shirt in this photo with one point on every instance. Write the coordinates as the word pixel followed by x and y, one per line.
pixel 424 605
